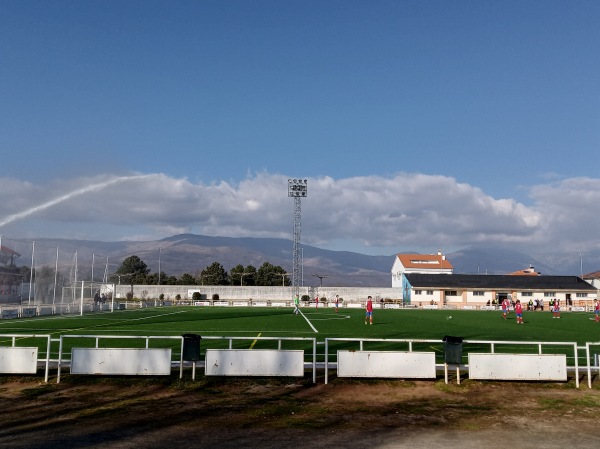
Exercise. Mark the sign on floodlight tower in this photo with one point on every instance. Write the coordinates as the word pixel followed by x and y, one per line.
pixel 297 189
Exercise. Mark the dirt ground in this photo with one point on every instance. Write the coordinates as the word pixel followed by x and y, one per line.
pixel 111 413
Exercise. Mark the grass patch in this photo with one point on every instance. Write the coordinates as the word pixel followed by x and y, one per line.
pixel 452 387
pixel 38 391
pixel 552 404
pixel 587 401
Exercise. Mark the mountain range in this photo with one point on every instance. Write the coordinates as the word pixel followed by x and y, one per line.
pixel 190 253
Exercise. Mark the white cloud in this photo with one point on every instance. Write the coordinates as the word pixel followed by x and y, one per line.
pixel 403 212
pixel 569 211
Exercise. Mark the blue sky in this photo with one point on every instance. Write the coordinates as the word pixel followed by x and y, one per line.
pixel 419 124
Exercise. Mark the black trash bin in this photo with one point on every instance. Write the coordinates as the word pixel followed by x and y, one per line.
pixel 191 347
pixel 453 350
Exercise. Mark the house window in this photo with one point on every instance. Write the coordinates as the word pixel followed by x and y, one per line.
pixel 418 292
pixel 549 295
pixel 582 295
pixel 526 293
pixel 451 293
pixel 478 293
pixel 429 292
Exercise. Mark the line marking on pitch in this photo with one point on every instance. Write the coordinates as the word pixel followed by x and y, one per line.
pixel 113 322
pixel 254 342
pixel 309 323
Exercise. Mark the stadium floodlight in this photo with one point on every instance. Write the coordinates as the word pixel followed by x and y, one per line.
pixel 297 189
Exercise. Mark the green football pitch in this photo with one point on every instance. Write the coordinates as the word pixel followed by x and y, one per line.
pixel 251 325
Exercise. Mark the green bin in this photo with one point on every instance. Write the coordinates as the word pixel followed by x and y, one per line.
pixel 191 347
pixel 453 350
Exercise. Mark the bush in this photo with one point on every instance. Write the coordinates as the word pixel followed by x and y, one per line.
pixel 161 296
pixel 177 296
pixel 196 296
pixel 305 298
pixel 323 299
pixel 129 296
pixel 215 297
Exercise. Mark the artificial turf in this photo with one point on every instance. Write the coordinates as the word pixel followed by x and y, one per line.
pixel 256 323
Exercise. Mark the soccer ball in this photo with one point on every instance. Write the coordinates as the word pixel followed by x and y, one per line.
pixel 449 318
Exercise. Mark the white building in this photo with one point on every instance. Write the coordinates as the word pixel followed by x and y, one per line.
pixel 593 279
pixel 419 263
pixel 460 290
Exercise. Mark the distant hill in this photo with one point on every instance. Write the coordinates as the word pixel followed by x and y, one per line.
pixel 496 260
pixel 190 253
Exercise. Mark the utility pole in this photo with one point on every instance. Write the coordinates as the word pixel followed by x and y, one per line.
pixel 283 275
pixel 321 277
pixel 580 263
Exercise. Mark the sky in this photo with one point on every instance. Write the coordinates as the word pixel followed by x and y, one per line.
pixel 419 125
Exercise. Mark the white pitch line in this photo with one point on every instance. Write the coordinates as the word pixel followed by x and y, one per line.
pixel 309 323
pixel 334 318
pixel 113 322
pixel 254 342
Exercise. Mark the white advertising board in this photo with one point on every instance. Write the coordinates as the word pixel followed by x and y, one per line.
pixel 254 362
pixel 518 367
pixel 18 360
pixel 389 364
pixel 121 361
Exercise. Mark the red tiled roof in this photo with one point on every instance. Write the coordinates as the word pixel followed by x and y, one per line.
pixel 7 251
pixel 425 261
pixel 530 271
pixel 526 272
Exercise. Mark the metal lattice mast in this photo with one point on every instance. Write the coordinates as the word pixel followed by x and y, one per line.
pixel 297 189
pixel 296 264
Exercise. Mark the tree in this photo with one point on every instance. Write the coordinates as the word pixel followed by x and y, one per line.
pixel 162 278
pixel 250 275
pixel 239 275
pixel 44 284
pixel 152 279
pixel 133 270
pixel 187 279
pixel 270 275
pixel 25 272
pixel 170 280
pixel 214 274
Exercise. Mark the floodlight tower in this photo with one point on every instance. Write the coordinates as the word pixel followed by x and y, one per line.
pixel 297 189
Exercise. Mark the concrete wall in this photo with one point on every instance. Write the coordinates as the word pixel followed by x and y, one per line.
pixel 348 294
